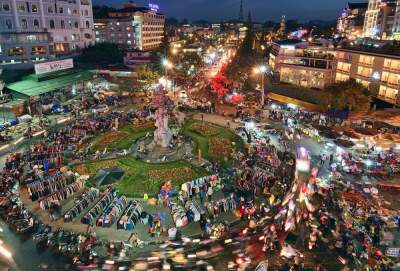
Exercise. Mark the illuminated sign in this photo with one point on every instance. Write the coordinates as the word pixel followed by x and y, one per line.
pixel 54 66
pixel 154 7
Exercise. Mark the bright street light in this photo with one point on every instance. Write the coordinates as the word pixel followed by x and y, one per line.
pixel 261 69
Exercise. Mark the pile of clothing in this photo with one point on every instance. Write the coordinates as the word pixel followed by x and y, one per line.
pixel 105 199
pixel 178 213
pixel 193 187
pixel 58 196
pixel 223 205
pixel 111 213
pixel 193 211
pixel 49 185
pixel 81 204
pixel 131 216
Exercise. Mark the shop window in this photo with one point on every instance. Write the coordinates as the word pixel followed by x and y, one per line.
pixel 34 9
pixel 52 25
pixel 16 51
pixel 38 50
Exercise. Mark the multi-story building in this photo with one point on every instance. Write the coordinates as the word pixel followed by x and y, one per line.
pixel 302 63
pixel 350 24
pixel 380 73
pixel 380 19
pixel 132 27
pixel 36 30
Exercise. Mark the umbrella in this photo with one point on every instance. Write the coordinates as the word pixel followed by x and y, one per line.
pixel 108 176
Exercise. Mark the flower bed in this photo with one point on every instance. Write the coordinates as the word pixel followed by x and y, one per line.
pixel 111 137
pixel 220 147
pixel 203 129
pixel 92 168
pixel 173 174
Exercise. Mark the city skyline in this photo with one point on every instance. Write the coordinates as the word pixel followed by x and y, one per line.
pixel 261 10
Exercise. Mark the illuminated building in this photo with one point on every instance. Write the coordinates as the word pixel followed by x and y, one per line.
pixel 133 27
pixel 350 23
pixel 380 73
pixel 37 30
pixel 380 19
pixel 304 64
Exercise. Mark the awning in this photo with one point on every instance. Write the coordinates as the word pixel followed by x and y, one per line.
pixel 30 86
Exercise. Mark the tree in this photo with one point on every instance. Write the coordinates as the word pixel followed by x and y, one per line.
pixel 246 57
pixel 100 12
pixel 189 60
pixel 101 53
pixel 348 95
pixel 146 76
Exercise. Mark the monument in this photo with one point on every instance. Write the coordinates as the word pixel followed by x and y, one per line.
pixel 161 146
pixel 162 135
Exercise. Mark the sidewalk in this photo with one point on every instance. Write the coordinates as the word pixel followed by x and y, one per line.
pixel 217 119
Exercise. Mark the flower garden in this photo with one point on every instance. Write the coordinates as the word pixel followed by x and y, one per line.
pixel 141 177
pixel 216 143
pixel 123 137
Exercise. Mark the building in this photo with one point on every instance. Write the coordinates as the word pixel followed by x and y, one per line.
pixel 302 63
pixel 37 30
pixel 132 27
pixel 380 19
pixel 134 57
pixel 351 23
pixel 379 72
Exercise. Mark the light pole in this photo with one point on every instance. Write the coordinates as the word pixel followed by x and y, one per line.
pixel 167 65
pixel 262 69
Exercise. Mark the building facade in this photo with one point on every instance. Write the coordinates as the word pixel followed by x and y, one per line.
pixel 304 64
pixel 380 73
pixel 132 27
pixel 380 19
pixel 350 24
pixel 37 30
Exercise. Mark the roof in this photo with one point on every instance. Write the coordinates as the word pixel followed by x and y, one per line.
pixel 357 5
pixel 30 86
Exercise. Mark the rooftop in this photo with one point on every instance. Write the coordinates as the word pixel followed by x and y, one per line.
pixel 31 86
pixel 357 5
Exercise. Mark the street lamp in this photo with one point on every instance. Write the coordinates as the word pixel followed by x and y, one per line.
pixel 167 65
pixel 262 69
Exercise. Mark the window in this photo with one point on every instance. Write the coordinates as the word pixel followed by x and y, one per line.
pixel 24 23
pixel 52 26
pixel 36 23
pixel 87 24
pixel 21 8
pixel 6 7
pixel 86 12
pixel 62 24
pixel 8 23
pixel 76 25
pixel 70 23
pixel 61 10
pixel 50 10
pixel 75 11
pixel 34 9
pixel 69 11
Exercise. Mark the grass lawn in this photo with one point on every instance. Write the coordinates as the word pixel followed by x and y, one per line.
pixel 141 177
pixel 120 139
pixel 214 141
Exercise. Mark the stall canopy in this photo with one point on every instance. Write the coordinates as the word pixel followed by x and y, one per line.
pixel 32 86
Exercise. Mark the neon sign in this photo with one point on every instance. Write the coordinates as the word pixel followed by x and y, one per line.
pixel 154 7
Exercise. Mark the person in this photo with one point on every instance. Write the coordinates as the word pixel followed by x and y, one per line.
pixel 209 193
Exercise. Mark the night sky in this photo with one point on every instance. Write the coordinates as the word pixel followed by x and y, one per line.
pixel 261 10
